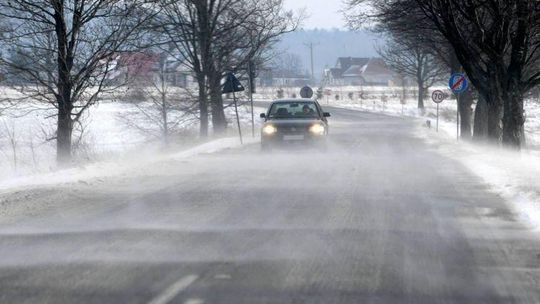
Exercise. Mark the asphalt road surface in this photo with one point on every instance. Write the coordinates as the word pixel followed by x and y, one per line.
pixel 379 218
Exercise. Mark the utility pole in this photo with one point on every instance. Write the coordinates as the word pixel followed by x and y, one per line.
pixel 310 47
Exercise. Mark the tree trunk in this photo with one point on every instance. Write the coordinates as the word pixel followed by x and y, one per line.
pixel 513 120
pixel 494 122
pixel 63 135
pixel 219 122
pixel 420 93
pixel 464 101
pixel 165 119
pixel 203 108
pixel 480 133
pixel 495 99
pixel 64 61
pixel 465 113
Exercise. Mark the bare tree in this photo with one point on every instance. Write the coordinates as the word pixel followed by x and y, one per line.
pixel 69 50
pixel 499 50
pixel 287 64
pixel 413 61
pixel 394 18
pixel 251 41
pixel 217 36
pixel 166 108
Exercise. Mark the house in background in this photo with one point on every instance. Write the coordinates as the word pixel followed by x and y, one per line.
pixel 293 80
pixel 357 71
pixel 147 68
pixel 271 77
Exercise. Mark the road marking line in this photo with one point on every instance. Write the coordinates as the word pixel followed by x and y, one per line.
pixel 172 291
pixel 222 276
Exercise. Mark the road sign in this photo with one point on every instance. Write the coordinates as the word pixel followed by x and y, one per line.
pixel 438 96
pixel 232 84
pixel 458 83
pixel 306 92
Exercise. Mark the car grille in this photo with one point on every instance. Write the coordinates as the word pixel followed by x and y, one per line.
pixel 293 129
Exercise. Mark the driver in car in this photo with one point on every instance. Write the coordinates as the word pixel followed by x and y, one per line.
pixel 307 110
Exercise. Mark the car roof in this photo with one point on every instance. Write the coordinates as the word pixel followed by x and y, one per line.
pixel 294 100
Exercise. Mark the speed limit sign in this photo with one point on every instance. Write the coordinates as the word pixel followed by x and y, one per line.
pixel 438 96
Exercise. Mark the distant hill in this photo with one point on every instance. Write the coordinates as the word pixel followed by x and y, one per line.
pixel 328 46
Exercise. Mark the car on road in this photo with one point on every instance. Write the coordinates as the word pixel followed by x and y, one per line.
pixel 294 121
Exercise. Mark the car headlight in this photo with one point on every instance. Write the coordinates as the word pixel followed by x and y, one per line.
pixel 317 129
pixel 269 129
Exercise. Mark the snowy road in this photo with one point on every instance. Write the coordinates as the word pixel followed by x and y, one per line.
pixel 379 218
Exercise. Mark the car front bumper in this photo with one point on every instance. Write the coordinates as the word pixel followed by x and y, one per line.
pixel 284 139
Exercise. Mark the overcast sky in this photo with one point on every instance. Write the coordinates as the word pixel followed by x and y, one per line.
pixel 322 13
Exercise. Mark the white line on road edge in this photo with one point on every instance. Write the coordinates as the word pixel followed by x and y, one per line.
pixel 173 290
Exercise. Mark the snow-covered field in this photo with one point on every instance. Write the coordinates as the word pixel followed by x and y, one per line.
pixel 113 131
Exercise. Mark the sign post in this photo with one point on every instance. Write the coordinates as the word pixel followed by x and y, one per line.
pixel 233 85
pixel 251 91
pixel 438 96
pixel 458 83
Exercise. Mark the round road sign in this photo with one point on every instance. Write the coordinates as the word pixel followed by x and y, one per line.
pixel 458 83
pixel 306 92
pixel 438 96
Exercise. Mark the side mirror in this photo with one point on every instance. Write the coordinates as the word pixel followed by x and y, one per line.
pixel 326 114
pixel 262 115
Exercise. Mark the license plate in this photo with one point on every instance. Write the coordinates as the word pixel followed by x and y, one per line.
pixel 293 137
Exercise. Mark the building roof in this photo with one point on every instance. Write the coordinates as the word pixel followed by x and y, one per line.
pixel 370 66
pixel 345 63
pixel 377 66
pixel 336 73
pixel 355 70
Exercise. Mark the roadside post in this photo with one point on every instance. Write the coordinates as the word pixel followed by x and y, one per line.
pixel 458 83
pixel 233 85
pixel 438 96
pixel 306 92
pixel 251 79
pixel 327 92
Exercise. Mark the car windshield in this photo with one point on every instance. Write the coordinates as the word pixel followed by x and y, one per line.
pixel 293 110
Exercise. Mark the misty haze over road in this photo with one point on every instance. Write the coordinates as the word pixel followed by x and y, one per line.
pixel 379 218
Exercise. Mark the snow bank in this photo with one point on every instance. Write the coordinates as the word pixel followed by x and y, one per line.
pixel 104 169
pixel 512 175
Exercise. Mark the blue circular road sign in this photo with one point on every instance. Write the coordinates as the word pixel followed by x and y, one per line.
pixel 458 83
